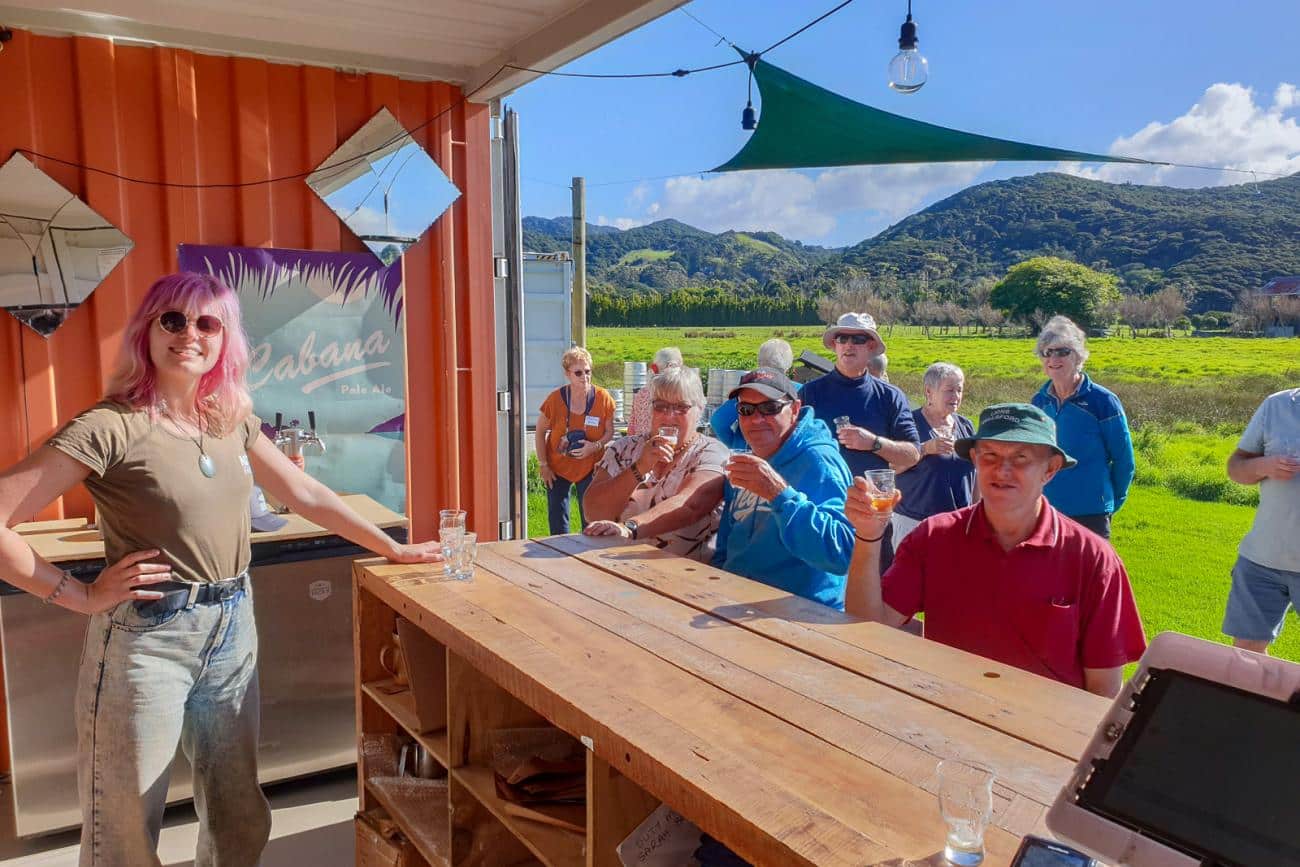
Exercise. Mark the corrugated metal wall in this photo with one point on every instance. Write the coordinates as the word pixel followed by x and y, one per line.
pixel 175 116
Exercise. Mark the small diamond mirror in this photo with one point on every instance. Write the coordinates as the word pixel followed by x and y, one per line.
pixel 54 250
pixel 384 186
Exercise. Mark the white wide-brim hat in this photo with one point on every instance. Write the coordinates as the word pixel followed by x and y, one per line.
pixel 852 323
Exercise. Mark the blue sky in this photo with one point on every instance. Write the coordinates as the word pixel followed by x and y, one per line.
pixel 1192 81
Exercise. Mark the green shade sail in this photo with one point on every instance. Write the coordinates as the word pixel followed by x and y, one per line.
pixel 806 126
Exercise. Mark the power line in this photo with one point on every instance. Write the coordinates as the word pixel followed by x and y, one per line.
pixel 234 185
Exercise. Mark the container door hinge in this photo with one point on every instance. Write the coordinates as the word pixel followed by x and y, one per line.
pixel 505 530
pixel 503 401
pixel 500 267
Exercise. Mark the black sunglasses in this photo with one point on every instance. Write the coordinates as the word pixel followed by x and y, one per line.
pixel 174 322
pixel 767 407
pixel 1059 352
pixel 855 339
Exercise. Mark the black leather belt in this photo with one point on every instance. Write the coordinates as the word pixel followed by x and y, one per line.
pixel 177 595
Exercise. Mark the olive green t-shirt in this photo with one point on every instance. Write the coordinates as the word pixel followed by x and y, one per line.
pixel 146 481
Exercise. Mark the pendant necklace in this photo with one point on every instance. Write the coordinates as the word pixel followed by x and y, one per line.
pixel 207 466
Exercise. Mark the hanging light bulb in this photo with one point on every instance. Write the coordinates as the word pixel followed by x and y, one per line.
pixel 748 118
pixel 909 69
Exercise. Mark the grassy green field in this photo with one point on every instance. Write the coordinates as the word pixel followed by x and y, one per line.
pixel 1188 400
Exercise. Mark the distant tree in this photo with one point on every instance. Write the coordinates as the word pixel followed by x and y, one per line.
pixel 1168 306
pixel 1136 312
pixel 1039 288
pixel 390 254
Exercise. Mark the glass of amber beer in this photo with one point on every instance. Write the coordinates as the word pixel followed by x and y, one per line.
pixel 882 489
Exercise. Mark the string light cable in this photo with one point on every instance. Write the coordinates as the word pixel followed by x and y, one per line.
pixel 344 164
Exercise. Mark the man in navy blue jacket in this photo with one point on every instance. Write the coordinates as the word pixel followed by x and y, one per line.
pixel 783 520
pixel 880 430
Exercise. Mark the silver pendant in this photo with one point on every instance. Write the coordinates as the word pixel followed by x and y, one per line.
pixel 207 466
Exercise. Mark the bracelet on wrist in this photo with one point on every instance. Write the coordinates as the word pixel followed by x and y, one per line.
pixel 58 588
pixel 865 539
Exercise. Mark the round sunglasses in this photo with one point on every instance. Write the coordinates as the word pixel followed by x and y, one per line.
pixel 175 322
pixel 767 407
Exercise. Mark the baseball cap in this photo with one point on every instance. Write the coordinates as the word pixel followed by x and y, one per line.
pixel 264 520
pixel 767 381
pixel 1014 423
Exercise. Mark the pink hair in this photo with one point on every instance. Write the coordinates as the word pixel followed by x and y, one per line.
pixel 223 398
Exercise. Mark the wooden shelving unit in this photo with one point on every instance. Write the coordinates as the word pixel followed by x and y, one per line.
pixel 476 828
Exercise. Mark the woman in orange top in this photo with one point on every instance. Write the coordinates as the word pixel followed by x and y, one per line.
pixel 575 423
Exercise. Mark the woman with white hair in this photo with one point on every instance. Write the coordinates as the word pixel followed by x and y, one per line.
pixel 665 485
pixel 941 480
pixel 1090 426
pixel 638 418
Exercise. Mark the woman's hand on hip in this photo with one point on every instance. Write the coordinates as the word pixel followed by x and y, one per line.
pixel 128 579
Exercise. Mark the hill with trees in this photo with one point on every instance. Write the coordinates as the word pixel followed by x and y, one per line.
pixel 1210 245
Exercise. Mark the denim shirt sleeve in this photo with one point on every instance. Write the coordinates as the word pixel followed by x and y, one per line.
pixel 1119 447
pixel 812 521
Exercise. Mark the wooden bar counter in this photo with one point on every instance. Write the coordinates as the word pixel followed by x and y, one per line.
pixel 791 732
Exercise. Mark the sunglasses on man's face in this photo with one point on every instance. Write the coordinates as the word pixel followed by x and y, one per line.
pixel 855 339
pixel 175 322
pixel 1058 352
pixel 767 407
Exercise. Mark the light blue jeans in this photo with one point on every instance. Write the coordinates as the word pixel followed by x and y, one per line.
pixel 146 684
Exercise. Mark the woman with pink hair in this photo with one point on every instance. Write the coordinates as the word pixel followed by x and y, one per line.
pixel 171 648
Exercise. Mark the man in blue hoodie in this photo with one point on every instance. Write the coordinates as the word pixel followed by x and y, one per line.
pixel 783 519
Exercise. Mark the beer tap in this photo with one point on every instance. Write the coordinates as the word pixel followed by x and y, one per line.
pixel 291 439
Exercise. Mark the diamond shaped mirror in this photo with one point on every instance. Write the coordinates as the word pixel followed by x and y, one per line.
pixel 384 186
pixel 54 250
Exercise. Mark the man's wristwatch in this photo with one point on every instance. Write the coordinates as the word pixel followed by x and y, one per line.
pixel 876 443
pixel 631 527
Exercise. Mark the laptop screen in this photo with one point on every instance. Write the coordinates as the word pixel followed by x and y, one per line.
pixel 1208 769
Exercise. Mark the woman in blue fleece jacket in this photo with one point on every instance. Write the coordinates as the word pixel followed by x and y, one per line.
pixel 1090 426
pixel 783 519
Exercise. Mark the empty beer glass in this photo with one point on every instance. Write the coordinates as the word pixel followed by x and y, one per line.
pixel 966 803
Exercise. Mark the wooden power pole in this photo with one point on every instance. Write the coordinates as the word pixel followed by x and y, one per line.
pixel 579 297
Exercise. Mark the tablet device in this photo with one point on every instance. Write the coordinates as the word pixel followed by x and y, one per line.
pixel 1196 764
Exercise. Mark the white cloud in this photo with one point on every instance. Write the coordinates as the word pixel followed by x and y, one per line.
pixel 809 207
pixel 1226 127
pixel 623 223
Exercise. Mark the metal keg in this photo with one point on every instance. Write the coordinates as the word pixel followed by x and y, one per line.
pixel 634 377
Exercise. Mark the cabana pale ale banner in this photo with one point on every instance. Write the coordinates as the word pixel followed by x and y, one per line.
pixel 326 336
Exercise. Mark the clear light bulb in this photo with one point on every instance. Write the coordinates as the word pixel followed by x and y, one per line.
pixel 908 71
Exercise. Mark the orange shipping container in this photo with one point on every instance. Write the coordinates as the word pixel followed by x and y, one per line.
pixel 137 130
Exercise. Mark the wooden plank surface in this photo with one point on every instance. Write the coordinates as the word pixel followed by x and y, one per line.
pixel 756 815
pixel 889 728
pixel 1056 717
pixel 770 765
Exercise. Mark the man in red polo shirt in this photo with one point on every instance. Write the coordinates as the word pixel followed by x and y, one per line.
pixel 1009 578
